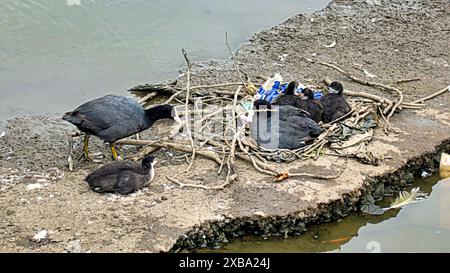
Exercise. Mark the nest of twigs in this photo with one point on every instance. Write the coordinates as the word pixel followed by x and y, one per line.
pixel 202 114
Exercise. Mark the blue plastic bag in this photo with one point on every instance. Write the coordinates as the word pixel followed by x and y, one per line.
pixel 277 89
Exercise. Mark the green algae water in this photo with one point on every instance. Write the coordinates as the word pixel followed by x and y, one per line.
pixel 423 226
pixel 56 54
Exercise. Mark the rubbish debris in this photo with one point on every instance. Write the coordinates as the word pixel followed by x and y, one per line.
pixel 369 74
pixel 425 174
pixel 274 87
pixel 333 44
pixel 444 166
pixel 406 198
pixel 2 134
pixel 41 235
pixel 281 177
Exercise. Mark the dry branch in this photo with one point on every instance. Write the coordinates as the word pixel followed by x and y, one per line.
pixel 440 92
pixel 183 147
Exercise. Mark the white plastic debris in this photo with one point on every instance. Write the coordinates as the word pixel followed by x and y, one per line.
pixel 168 186
pixel 333 44
pixel 269 83
pixel 369 74
pixel 425 174
pixel 34 186
pixel 41 235
pixel 3 133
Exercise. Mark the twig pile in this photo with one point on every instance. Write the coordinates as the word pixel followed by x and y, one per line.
pixel 233 142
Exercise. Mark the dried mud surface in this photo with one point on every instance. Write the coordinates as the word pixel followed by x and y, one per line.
pixel 395 40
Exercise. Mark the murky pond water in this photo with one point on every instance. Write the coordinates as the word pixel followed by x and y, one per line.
pixel 56 54
pixel 418 227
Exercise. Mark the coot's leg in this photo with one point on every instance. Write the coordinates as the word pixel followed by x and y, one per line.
pixel 113 151
pixel 86 147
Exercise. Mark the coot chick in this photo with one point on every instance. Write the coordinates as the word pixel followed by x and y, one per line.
pixel 115 117
pixel 312 106
pixel 122 177
pixel 334 104
pixel 282 127
pixel 289 98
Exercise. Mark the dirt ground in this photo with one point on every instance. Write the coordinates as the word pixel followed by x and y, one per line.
pixel 395 40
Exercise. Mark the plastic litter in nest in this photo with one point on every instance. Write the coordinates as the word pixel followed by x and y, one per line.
pixel 274 87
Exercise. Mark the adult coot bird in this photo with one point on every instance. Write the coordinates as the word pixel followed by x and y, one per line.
pixel 282 127
pixel 334 104
pixel 114 117
pixel 289 98
pixel 122 177
pixel 312 106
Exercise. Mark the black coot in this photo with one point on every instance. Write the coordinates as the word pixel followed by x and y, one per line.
pixel 114 117
pixel 312 106
pixel 122 177
pixel 334 104
pixel 289 98
pixel 282 127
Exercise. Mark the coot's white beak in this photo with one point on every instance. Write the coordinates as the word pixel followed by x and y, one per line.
pixel 154 162
pixel 332 90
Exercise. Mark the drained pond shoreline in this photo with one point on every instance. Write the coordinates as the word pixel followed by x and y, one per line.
pixel 393 40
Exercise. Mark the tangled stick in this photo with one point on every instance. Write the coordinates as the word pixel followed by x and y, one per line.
pixel 407 80
pixel 147 98
pixel 246 85
pixel 183 147
pixel 440 92
pixel 186 108
pixel 220 187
